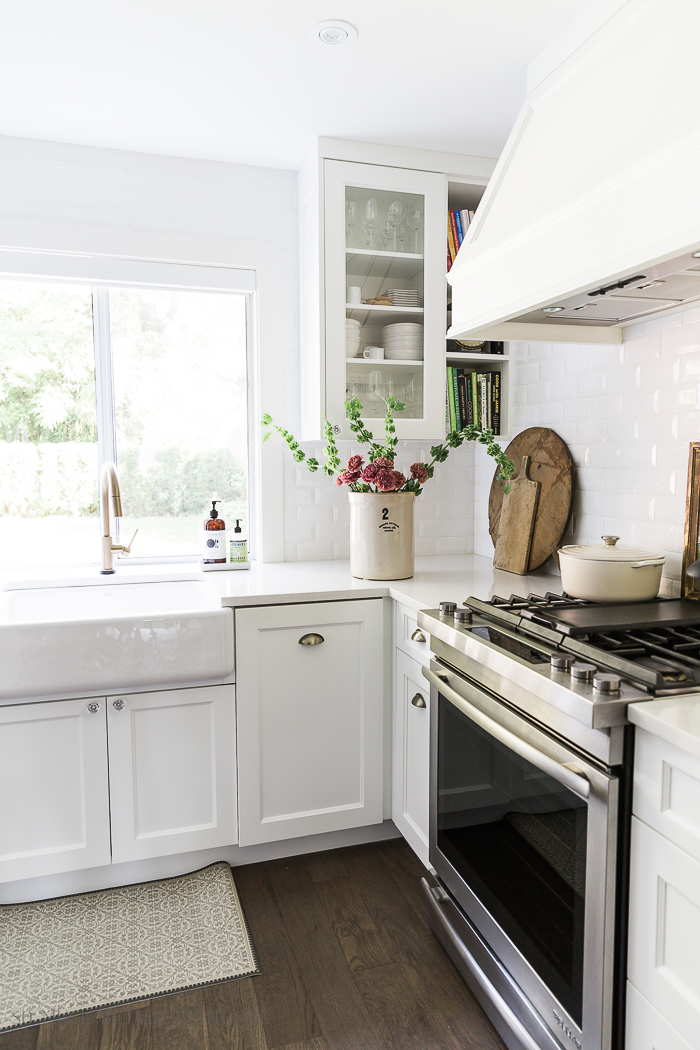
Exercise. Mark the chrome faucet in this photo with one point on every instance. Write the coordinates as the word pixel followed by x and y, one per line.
pixel 109 485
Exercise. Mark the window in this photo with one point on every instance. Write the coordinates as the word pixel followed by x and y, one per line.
pixel 154 378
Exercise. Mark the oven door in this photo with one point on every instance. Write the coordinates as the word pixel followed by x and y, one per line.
pixel 523 835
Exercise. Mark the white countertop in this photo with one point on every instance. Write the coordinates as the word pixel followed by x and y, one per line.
pixel 452 577
pixel 675 719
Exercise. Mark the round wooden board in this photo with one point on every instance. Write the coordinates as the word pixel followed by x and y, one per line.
pixel 552 466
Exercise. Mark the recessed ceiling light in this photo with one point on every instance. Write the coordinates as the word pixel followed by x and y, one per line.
pixel 334 32
pixel 552 309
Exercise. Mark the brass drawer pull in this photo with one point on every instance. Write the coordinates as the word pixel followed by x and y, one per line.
pixel 418 635
pixel 419 700
pixel 311 639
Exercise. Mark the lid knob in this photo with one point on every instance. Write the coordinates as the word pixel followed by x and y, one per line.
pixel 610 541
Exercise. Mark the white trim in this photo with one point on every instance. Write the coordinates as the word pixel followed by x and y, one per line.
pixel 225 259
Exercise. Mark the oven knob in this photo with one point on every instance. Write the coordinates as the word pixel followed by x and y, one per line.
pixel 463 616
pixel 583 672
pixel 447 608
pixel 607 683
pixel 560 661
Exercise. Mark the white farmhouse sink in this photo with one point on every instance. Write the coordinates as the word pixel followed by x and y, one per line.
pixel 90 636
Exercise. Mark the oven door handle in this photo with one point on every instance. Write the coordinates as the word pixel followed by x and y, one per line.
pixel 572 779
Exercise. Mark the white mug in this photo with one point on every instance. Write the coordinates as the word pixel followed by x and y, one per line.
pixel 376 353
pixel 354 294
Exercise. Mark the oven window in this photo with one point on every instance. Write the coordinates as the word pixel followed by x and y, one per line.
pixel 518 839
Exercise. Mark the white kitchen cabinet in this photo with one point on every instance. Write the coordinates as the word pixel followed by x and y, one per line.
pixel 54 814
pixel 310 718
pixel 647 1029
pixel 172 771
pixel 408 636
pixel 164 784
pixel 339 251
pixel 411 753
pixel 664 922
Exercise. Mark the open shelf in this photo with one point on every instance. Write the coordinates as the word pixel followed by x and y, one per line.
pixel 383 363
pixel 366 314
pixel 455 355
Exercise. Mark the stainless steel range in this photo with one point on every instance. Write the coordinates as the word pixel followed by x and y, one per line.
pixel 531 764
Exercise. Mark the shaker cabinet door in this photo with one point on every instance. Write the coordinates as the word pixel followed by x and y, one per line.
pixel 172 761
pixel 310 718
pixel 54 814
pixel 411 758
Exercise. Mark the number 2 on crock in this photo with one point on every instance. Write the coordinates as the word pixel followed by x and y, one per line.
pixel 385 513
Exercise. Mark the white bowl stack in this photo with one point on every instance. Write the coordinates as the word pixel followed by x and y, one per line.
pixel 403 342
pixel 352 337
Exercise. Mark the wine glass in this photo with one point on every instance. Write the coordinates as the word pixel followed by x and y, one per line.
pixel 414 219
pixel 370 219
pixel 374 391
pixel 351 215
pixel 402 235
pixel 395 216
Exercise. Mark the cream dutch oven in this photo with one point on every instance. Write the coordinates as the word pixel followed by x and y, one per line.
pixel 610 573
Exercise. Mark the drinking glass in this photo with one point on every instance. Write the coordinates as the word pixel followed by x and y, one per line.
pixel 414 219
pixel 370 219
pixel 395 216
pixel 374 392
pixel 351 215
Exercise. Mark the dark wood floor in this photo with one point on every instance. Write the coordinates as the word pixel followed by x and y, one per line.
pixel 349 963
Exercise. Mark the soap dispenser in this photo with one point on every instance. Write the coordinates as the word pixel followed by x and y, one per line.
pixel 239 546
pixel 215 547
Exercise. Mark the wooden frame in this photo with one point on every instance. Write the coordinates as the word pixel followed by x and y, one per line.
pixel 691 586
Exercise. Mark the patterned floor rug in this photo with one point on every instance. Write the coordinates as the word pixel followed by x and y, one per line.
pixel 72 954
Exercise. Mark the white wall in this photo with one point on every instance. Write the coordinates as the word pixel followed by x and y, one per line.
pixel 627 414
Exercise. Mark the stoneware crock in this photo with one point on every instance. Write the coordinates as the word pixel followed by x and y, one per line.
pixel 381 535
pixel 610 573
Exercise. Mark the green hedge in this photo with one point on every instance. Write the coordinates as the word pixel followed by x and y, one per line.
pixel 61 478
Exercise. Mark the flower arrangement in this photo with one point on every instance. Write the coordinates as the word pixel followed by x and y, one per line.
pixel 378 474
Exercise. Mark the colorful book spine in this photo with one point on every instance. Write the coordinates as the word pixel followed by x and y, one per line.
pixel 455 395
pixel 451 396
pixel 464 216
pixel 451 242
pixel 462 392
pixel 458 223
pixel 483 403
pixel 469 383
pixel 496 402
pixel 475 399
pixel 449 258
pixel 453 228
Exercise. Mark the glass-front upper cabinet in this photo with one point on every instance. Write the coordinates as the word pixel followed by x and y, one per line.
pixel 385 295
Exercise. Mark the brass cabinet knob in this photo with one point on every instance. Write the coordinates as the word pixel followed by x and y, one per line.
pixel 418 635
pixel 311 639
pixel 419 700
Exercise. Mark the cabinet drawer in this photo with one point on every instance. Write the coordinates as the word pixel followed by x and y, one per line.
pixel 667 790
pixel 411 754
pixel 664 939
pixel 646 1028
pixel 405 627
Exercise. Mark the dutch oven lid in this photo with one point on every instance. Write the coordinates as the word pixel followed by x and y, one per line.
pixel 610 552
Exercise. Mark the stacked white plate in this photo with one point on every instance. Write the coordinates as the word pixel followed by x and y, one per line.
pixel 352 337
pixel 404 296
pixel 403 342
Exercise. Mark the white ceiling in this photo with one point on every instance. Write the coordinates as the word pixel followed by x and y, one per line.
pixel 245 82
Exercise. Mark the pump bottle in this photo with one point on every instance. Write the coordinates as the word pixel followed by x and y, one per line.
pixel 215 547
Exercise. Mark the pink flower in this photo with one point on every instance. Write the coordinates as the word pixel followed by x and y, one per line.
pixel 419 472
pixel 355 464
pixel 385 480
pixel 399 479
pixel 347 477
pixel 384 463
pixel 370 472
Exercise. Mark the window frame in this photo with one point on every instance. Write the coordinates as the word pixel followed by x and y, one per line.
pixel 109 258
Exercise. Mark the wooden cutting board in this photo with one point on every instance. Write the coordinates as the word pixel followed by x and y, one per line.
pixel 550 465
pixel 517 523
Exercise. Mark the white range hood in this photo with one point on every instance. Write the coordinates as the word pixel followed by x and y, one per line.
pixel 592 215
